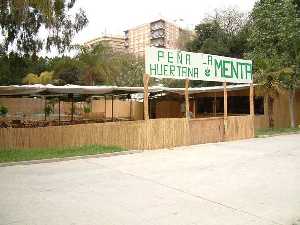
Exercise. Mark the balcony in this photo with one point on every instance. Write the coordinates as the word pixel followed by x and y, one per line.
pixel 157 34
pixel 157 25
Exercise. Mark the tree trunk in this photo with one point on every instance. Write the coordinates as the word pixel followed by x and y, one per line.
pixel 291 107
pixel 270 111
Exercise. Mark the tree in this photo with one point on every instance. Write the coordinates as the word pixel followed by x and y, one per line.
pixel 129 70
pixel 14 66
pixel 44 78
pixel 23 21
pixel 224 33
pixel 66 70
pixel 31 78
pixel 275 26
pixel 98 66
pixel 270 86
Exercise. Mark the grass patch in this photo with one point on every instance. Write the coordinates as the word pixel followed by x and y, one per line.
pixel 15 155
pixel 274 131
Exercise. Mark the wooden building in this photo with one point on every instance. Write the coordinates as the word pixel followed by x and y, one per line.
pixel 208 102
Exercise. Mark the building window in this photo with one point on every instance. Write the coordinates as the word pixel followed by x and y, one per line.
pixel 259 105
pixel 236 105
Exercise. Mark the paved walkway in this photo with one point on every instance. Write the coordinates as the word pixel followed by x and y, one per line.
pixel 250 182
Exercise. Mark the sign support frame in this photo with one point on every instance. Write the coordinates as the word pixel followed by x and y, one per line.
pixel 146 91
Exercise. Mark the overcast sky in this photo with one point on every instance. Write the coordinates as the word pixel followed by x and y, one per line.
pixel 115 16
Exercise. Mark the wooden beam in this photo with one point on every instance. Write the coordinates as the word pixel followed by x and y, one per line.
pixel 194 108
pixel 215 104
pixel 225 109
pixel 58 110
pixel 251 101
pixel 105 107
pixel 72 108
pixel 112 108
pixel 186 94
pixel 45 102
pixel 130 109
pixel 146 106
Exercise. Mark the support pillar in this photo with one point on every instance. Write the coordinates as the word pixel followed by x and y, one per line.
pixel 45 105
pixel 251 101
pixel 72 108
pixel 105 107
pixel 112 108
pixel 186 95
pixel 215 105
pixel 146 106
pixel 225 110
pixel 58 110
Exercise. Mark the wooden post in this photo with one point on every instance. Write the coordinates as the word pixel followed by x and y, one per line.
pixel 105 107
pixel 215 104
pixel 72 108
pixel 130 109
pixel 225 109
pixel 45 102
pixel 58 110
pixel 194 108
pixel 112 108
pixel 186 94
pixel 251 101
pixel 146 110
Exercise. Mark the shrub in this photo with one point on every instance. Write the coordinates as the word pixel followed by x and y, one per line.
pixel 3 110
pixel 86 109
pixel 48 109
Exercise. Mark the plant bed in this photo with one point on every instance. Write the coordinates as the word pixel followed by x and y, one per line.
pixel 16 155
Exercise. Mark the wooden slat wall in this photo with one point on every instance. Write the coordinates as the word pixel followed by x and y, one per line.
pixel 261 121
pixel 239 127
pixel 152 134
pixel 206 130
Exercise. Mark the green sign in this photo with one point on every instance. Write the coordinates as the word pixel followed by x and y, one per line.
pixel 176 64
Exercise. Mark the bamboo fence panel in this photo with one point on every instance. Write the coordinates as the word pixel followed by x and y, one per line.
pixel 239 127
pixel 206 130
pixel 261 121
pixel 152 134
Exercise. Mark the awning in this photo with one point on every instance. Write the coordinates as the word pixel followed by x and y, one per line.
pixel 38 89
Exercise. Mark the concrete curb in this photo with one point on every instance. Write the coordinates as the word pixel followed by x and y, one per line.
pixel 39 161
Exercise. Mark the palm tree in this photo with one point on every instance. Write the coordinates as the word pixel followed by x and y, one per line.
pixel 289 80
pixel 267 77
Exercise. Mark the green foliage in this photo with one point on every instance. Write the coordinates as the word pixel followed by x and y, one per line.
pixel 31 79
pixel 274 37
pixel 48 109
pixel 15 155
pixel 224 33
pixel 67 70
pixel 22 21
pixel 44 78
pixel 97 64
pixel 87 109
pixel 129 70
pixel 14 66
pixel 3 110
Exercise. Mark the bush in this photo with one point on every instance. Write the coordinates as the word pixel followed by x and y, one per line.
pixel 86 109
pixel 3 110
pixel 48 110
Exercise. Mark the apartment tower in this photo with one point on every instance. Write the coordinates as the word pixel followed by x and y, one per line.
pixel 159 33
